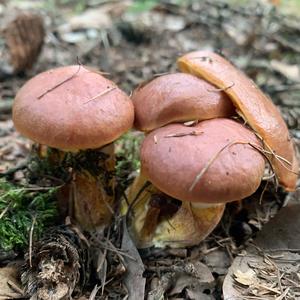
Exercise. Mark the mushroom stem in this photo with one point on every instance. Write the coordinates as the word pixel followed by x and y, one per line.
pixel 159 220
pixel 88 195
pixel 93 194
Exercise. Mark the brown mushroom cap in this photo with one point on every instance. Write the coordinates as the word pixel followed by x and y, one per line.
pixel 172 157
pixel 178 97
pixel 257 109
pixel 72 108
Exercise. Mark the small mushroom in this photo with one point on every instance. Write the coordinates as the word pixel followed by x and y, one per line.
pixel 178 97
pixel 203 166
pixel 79 112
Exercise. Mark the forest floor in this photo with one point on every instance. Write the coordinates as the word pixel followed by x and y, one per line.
pixel 133 41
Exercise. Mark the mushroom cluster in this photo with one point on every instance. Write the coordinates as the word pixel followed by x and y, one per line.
pixel 210 133
pixel 78 113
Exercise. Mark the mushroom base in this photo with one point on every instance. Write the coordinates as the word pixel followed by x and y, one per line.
pixel 88 193
pixel 159 220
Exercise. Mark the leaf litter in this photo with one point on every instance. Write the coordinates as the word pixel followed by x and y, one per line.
pixel 269 267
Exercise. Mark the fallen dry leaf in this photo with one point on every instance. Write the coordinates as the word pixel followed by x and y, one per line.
pixel 270 267
pixel 195 275
pixel 291 72
pixel 133 279
pixel 9 282
pixel 194 293
pixel 246 278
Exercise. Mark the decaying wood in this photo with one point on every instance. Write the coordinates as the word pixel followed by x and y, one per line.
pixel 24 37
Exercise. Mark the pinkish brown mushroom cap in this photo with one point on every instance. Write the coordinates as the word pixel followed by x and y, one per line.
pixel 256 108
pixel 72 108
pixel 178 97
pixel 173 156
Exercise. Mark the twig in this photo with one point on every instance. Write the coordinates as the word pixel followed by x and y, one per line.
pixel 263 192
pixel 91 70
pixel 284 249
pixel 15 287
pixel 120 253
pixel 102 260
pixel 192 133
pixel 22 165
pixel 78 232
pixel 208 164
pixel 5 210
pixel 125 198
pixel 268 288
pixel 282 296
pixel 268 177
pixel 222 89
pixel 136 198
pixel 59 84
pixel 278 157
pixel 161 74
pixel 30 240
pixel 292 281
pixel 214 157
pixel 37 188
pixel 279 279
pixel 101 94
pixel 94 292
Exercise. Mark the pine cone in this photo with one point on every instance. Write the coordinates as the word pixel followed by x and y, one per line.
pixel 59 265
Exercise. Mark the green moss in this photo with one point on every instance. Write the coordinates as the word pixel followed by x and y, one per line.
pixel 57 164
pixel 40 167
pixel 128 148
pixel 127 154
pixel 139 6
pixel 19 206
